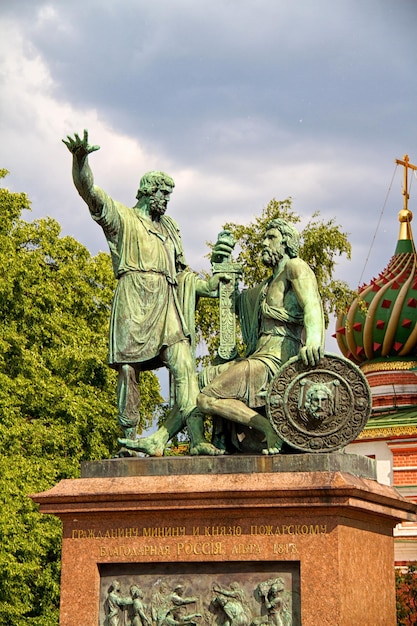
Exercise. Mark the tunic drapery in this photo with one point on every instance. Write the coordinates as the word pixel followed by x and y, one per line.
pixel 148 263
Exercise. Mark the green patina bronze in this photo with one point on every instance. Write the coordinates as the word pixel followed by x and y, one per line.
pixel 152 317
pixel 281 318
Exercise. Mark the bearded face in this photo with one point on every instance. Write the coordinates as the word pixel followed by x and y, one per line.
pixel 158 202
pixel 270 258
pixel 318 402
pixel 273 247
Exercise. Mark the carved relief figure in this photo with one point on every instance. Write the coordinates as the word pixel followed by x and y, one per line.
pixel 138 608
pixel 160 603
pixel 177 616
pixel 278 614
pixel 231 606
pixel 234 591
pixel 114 605
pixel 275 610
pixel 168 607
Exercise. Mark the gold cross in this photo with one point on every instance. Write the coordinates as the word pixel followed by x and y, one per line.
pixel 405 161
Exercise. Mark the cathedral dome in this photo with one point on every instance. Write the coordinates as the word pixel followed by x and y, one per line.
pixel 379 330
pixel 380 324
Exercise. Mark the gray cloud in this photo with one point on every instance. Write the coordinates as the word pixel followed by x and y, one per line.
pixel 240 100
pixel 165 70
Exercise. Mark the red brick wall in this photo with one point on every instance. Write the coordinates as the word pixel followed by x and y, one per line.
pixel 394 401
pixel 391 378
pixel 405 458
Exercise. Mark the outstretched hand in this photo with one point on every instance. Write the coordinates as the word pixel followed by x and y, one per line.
pixel 80 146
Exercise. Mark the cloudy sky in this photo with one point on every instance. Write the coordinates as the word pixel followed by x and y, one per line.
pixel 240 101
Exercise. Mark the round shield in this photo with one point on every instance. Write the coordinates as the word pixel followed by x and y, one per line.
pixel 319 408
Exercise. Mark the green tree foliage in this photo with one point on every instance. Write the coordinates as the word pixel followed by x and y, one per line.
pixel 322 242
pixel 406 588
pixel 57 395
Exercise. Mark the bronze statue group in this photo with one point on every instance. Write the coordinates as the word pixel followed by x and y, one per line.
pixel 152 320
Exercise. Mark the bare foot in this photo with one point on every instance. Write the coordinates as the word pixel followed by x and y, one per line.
pixel 152 446
pixel 205 449
pixel 271 450
pixel 274 445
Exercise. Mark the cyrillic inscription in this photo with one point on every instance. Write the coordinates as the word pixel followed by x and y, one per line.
pixel 209 548
pixel 288 529
pixel 134 550
pixel 165 532
pixel 246 548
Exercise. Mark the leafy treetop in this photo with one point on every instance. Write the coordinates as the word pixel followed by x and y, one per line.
pixel 322 242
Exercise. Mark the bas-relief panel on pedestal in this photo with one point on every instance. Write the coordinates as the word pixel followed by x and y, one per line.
pixel 200 594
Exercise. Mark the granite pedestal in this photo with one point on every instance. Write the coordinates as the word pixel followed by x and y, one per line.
pixel 224 530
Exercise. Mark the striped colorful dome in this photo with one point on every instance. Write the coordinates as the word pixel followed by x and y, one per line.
pixel 381 322
pixel 380 325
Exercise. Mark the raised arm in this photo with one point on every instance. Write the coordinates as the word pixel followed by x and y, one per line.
pixel 81 171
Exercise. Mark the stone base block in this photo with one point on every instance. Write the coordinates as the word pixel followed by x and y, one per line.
pixel 241 541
